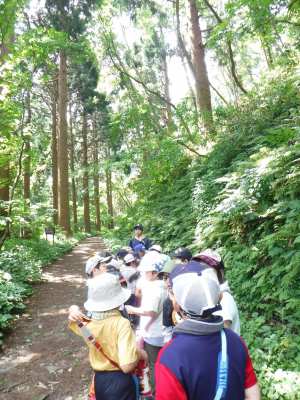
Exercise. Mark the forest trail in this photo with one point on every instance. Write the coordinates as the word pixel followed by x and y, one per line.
pixel 42 359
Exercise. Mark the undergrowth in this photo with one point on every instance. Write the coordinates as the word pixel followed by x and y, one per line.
pixel 243 199
pixel 21 263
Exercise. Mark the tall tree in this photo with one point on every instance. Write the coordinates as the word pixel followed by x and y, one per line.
pixel 69 17
pixel 198 58
pixel 62 146
pixel 109 194
pixel 72 168
pixel 27 155
pixel 96 178
pixel 54 129
pixel 85 180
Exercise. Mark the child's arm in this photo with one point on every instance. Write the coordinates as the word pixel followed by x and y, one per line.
pixel 141 312
pixel 75 314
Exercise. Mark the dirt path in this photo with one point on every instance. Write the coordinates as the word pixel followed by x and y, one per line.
pixel 42 360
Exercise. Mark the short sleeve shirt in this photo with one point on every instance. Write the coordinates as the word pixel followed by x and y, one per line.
pixel 153 296
pixel 230 312
pixel 117 340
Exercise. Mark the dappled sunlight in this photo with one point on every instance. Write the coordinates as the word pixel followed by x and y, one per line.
pixel 12 361
pixel 72 278
pixel 62 311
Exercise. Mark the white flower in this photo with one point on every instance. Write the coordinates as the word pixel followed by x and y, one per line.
pixel 7 276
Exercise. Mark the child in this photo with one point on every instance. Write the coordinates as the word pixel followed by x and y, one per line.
pixel 150 311
pixel 216 271
pixel 120 355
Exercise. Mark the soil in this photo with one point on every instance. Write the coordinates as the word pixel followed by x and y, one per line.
pixel 42 359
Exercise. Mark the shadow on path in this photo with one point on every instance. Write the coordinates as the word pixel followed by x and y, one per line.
pixel 42 359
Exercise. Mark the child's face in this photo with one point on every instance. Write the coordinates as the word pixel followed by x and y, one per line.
pixel 151 275
pixel 138 232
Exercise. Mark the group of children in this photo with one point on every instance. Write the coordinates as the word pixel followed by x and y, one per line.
pixel 169 312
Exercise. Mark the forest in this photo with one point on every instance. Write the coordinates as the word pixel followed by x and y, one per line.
pixel 183 115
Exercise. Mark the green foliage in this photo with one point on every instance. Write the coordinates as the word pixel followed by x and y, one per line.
pixel 245 199
pixel 274 352
pixel 21 264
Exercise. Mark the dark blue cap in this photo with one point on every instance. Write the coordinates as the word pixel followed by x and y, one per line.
pixel 138 226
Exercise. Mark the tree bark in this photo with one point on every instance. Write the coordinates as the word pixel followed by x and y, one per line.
pixel 96 181
pixel 198 58
pixel 54 153
pixel 167 90
pixel 27 156
pixel 27 172
pixel 4 185
pixel 72 167
pixel 5 157
pixel 85 180
pixel 62 153
pixel 109 194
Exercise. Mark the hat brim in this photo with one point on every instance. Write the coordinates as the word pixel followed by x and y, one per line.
pixel 147 269
pixel 108 304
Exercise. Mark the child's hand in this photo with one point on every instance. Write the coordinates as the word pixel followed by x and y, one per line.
pixel 143 355
pixel 75 314
pixel 130 309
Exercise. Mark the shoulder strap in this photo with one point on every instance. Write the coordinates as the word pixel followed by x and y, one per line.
pixel 222 376
pixel 89 337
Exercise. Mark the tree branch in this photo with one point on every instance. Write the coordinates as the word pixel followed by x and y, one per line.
pixel 229 45
pixel 147 89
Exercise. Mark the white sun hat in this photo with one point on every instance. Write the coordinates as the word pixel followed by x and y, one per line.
pixel 129 258
pixel 91 263
pixel 195 293
pixel 152 261
pixel 156 247
pixel 115 263
pixel 105 293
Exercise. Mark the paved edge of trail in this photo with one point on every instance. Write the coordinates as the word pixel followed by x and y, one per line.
pixel 42 359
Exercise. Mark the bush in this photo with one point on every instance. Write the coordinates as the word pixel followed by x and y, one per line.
pixel 243 199
pixel 247 201
pixel 21 263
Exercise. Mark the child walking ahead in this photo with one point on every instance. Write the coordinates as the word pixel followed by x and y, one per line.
pixel 119 355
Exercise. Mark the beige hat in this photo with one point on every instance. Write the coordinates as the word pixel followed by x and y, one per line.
pixel 105 293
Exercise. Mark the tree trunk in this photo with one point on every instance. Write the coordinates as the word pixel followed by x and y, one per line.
pixel 4 155
pixel 167 90
pixel 198 58
pixel 27 173
pixel 27 158
pixel 85 181
pixel 4 185
pixel 96 182
pixel 62 153
pixel 72 166
pixel 109 194
pixel 54 153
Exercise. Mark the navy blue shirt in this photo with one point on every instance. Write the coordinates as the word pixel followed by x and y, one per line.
pixel 187 367
pixel 145 242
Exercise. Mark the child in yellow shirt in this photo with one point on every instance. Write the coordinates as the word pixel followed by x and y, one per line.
pixel 119 354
